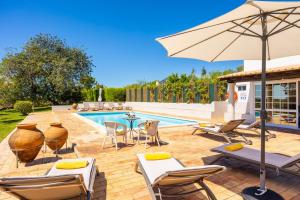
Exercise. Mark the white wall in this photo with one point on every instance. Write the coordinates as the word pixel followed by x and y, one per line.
pixel 244 106
pixel 250 65
pixel 214 111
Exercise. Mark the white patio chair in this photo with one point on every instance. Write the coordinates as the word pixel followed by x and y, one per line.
pixel 113 131
pixel 150 131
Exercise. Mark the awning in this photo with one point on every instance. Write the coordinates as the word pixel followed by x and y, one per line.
pixel 278 73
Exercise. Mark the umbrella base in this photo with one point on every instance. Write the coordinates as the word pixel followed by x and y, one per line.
pixel 249 194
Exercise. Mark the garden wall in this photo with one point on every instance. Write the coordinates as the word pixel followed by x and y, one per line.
pixel 212 112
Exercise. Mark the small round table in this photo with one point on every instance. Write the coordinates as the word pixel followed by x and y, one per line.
pixel 131 129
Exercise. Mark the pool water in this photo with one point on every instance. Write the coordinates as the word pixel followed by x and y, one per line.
pixel 101 117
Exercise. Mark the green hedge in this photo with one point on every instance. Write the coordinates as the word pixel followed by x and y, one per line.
pixel 90 94
pixel 115 94
pixel 23 107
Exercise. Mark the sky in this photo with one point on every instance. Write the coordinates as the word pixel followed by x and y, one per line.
pixel 119 35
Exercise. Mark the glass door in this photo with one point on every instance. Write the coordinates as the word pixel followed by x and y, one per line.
pixel 281 102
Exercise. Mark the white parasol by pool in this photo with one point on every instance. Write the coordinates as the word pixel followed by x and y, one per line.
pixel 100 95
pixel 257 30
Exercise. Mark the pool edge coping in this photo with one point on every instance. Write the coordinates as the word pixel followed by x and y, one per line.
pixel 102 128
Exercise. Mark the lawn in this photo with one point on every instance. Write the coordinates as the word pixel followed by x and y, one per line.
pixel 9 118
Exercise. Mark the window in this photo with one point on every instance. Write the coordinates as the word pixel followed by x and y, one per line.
pixel 280 103
pixel 242 87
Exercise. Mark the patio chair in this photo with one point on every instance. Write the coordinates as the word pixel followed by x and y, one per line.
pixel 56 184
pixel 150 131
pixel 112 131
pixel 279 162
pixel 161 175
pixel 254 127
pixel 226 130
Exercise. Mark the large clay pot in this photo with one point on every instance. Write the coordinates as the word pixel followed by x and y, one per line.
pixel 26 141
pixel 74 106
pixel 56 136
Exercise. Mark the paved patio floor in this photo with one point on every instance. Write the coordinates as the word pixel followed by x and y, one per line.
pixel 118 180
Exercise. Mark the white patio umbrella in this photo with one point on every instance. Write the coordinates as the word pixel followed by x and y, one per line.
pixel 257 30
pixel 100 95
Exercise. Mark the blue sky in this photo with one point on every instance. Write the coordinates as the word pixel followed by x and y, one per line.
pixel 119 35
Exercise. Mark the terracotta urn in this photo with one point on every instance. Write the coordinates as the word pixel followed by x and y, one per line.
pixel 26 142
pixel 74 106
pixel 56 136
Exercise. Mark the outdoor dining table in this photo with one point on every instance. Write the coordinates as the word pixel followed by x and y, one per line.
pixel 131 120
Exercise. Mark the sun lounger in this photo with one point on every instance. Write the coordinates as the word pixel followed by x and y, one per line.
pixel 57 184
pixel 92 106
pixel 109 106
pixel 226 130
pixel 126 107
pixel 82 108
pixel 86 106
pixel 279 162
pixel 99 105
pixel 118 106
pixel 253 127
pixel 171 174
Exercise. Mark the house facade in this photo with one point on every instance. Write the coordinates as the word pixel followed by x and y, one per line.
pixel 282 92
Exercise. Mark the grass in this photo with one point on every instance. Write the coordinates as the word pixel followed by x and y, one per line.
pixel 10 117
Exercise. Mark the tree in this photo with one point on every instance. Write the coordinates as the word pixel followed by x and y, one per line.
pixel 48 70
pixel 88 81
pixel 203 71
pixel 240 68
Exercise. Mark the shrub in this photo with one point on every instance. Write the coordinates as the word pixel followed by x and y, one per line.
pixel 115 94
pixel 91 94
pixel 23 107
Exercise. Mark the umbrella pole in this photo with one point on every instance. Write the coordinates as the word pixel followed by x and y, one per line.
pixel 261 192
pixel 263 113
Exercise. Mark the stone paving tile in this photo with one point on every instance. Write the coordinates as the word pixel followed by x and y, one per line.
pixel 117 179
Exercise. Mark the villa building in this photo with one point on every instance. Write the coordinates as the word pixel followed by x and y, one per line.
pixel 282 92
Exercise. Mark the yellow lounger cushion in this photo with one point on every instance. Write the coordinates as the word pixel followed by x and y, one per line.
pixel 72 164
pixel 234 147
pixel 206 125
pixel 157 156
pixel 120 132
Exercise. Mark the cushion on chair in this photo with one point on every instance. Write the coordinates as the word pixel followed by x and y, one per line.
pixel 76 164
pixel 234 147
pixel 157 156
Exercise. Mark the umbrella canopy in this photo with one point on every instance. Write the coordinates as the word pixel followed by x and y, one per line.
pixel 257 30
pixel 236 35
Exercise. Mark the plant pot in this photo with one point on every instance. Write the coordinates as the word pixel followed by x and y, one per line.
pixel 74 106
pixel 26 141
pixel 56 136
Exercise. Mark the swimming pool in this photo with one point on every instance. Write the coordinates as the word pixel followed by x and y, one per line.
pixel 100 117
